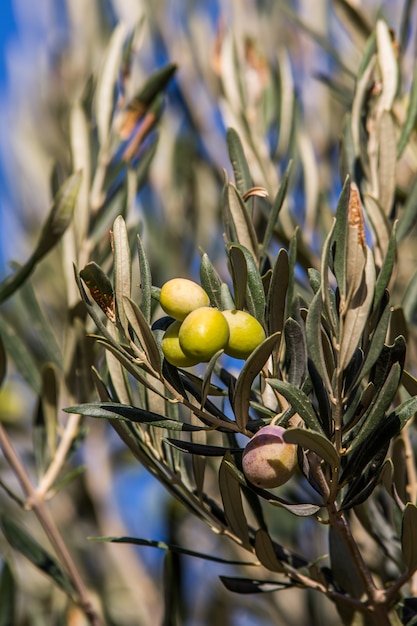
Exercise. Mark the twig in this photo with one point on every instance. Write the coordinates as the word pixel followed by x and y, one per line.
pixel 48 524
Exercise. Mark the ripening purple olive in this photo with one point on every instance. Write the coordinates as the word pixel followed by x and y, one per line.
pixel 268 461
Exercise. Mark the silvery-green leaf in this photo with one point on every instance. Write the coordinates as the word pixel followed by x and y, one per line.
pixel 145 282
pixel 232 502
pixel 387 161
pixel 250 370
pixel 314 335
pixel 314 441
pixel 211 281
pixel 299 401
pixel 387 64
pixel 276 208
pixel 122 268
pixel 143 332
pixel 357 314
pixel 245 231
pixel 238 160
pixel 104 97
pixel 247 281
pixel 296 352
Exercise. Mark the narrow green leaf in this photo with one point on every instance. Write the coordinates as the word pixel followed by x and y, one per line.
pixel 381 227
pixel 265 551
pixel 162 545
pixel 277 293
pixel 314 441
pixel 276 208
pixel 143 332
pixel 409 536
pixel 296 352
pixel 339 239
pixel 211 281
pixel 378 408
pixel 249 285
pixel 387 161
pixel 104 96
pixel 388 65
pixel 201 449
pixel 249 586
pixel 245 230
pixel 377 342
pixel 238 160
pixel 154 85
pixel 232 502
pixel 385 273
pixel 145 281
pixel 314 336
pixel 24 543
pixel 111 410
pixel 56 223
pixel 299 401
pixel 410 121
pixel 357 313
pixel 249 371
pixel 122 268
pixel 49 400
pixel 16 347
pixel 7 596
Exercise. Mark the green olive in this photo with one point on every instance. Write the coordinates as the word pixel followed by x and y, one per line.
pixel 180 296
pixel 268 461
pixel 172 349
pixel 203 332
pixel 245 334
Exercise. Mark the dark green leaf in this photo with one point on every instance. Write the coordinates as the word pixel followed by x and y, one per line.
pixel 111 410
pixel 245 231
pixel 232 501
pixel 296 352
pixel 154 85
pixel 248 585
pixel 277 297
pixel 265 551
pixel 299 401
pixel 201 449
pixel 162 545
pixel 314 441
pixel 247 281
pixel 238 160
pixel 7 596
pixel 250 370
pixel 409 536
pixel 24 543
pixel 141 328
pixel 211 281
pixel 145 281
pixel 339 244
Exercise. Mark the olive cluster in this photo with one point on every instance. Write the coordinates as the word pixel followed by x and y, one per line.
pixel 199 330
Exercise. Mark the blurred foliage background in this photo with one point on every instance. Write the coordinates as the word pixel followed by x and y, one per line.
pixel 295 84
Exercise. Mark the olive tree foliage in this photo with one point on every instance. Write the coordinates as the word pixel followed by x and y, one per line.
pixel 319 250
